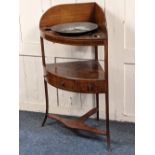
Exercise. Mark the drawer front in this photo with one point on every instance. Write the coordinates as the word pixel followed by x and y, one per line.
pixel 83 86
pixel 66 84
pixel 91 86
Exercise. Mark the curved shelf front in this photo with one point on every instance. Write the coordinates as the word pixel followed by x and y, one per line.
pixel 79 76
pixel 93 38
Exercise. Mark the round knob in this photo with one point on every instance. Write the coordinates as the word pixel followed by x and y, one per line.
pixel 90 87
pixel 62 83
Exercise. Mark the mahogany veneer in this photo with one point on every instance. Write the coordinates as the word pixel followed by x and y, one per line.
pixel 85 76
pixel 79 76
pixel 96 38
pixel 87 12
pixel 79 123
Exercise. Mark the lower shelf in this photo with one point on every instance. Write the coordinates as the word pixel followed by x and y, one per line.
pixel 79 123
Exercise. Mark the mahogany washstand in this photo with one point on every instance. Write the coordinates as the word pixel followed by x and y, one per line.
pixel 79 76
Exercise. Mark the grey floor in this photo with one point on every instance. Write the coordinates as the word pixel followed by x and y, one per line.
pixel 55 139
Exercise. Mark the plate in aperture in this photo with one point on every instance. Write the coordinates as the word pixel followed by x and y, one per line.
pixel 75 27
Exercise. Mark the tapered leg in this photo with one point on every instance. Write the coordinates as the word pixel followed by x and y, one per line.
pixel 46 98
pixel 45 118
pixel 97 105
pixel 107 121
pixel 97 95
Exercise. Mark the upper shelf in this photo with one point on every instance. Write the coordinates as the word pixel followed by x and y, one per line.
pixel 82 12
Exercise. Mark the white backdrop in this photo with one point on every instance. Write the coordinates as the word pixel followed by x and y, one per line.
pixel 120 20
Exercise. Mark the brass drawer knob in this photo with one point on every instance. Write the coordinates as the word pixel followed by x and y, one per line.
pixel 62 83
pixel 90 87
